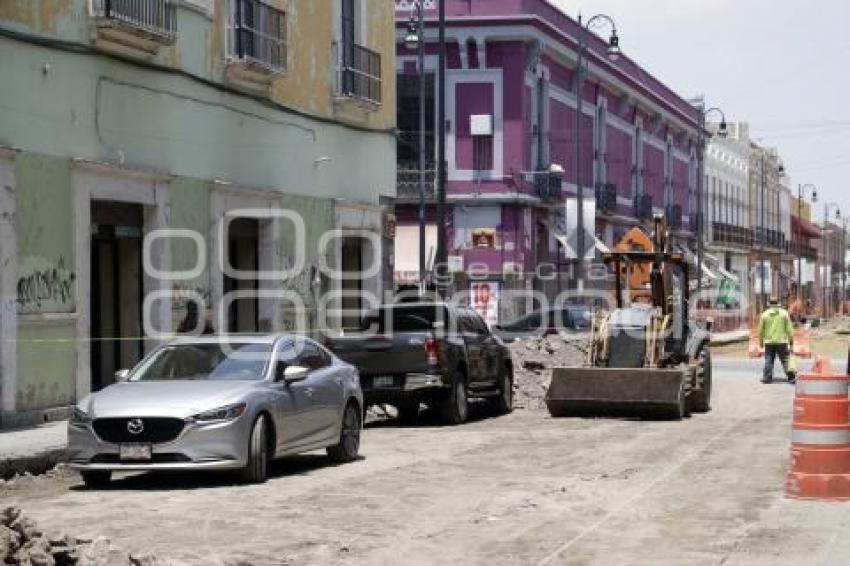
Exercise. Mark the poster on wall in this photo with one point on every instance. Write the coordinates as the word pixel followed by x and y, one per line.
pixel 484 298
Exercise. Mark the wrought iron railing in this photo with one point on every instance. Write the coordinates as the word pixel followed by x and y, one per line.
pixel 731 235
pixel 606 198
pixel 673 215
pixel 643 207
pixel 258 34
pixel 154 16
pixel 407 181
pixel 360 73
pixel 548 185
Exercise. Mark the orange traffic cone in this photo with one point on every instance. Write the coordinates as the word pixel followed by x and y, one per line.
pixel 822 366
pixel 755 350
pixel 820 437
pixel 803 343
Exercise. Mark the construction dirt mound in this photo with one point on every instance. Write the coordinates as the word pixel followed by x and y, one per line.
pixel 23 543
pixel 534 359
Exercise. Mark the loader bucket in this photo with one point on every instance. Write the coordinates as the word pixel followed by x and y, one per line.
pixel 639 392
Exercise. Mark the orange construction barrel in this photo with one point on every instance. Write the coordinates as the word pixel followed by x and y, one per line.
pixel 820 439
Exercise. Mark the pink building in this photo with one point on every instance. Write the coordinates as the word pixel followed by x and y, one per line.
pixel 511 109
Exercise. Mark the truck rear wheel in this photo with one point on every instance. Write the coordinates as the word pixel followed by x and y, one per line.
pixel 504 403
pixel 455 405
pixel 701 397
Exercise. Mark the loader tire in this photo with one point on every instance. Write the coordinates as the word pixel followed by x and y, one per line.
pixel 701 398
pixel 679 410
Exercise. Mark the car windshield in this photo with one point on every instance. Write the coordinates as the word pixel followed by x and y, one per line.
pixel 218 361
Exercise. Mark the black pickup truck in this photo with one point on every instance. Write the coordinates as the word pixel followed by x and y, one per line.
pixel 434 353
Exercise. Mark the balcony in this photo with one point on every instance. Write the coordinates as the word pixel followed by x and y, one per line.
pixel 407 182
pixel 548 186
pixel 606 199
pixel 731 235
pixel 360 74
pixel 140 26
pixel 257 50
pixel 643 207
pixel 673 215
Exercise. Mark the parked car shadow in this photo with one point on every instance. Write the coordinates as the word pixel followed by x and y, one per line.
pixel 431 418
pixel 301 464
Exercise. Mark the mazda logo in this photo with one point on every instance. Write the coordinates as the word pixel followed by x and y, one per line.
pixel 135 426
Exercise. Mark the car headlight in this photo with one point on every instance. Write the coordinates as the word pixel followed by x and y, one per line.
pixel 222 414
pixel 80 417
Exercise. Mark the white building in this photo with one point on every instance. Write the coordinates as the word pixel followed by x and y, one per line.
pixel 726 208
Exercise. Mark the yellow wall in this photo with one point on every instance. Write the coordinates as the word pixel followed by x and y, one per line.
pixel 309 80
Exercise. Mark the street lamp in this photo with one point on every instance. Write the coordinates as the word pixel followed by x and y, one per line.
pixel 722 132
pixel 415 40
pixel 801 194
pixel 613 51
pixel 826 210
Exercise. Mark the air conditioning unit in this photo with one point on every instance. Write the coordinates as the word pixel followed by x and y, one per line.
pixel 481 125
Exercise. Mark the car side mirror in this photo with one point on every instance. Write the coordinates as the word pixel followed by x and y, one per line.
pixel 122 375
pixel 295 373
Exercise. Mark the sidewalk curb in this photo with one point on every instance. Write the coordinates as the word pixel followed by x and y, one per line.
pixel 34 464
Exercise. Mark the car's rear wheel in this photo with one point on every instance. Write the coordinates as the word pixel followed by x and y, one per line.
pixel 258 456
pixel 348 447
pixel 504 403
pixel 455 406
pixel 96 479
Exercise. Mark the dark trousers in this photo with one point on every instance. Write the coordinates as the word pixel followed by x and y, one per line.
pixel 771 352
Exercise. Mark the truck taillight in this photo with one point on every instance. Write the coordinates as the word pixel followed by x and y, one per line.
pixel 432 351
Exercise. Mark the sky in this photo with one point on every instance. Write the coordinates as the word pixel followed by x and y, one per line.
pixel 781 65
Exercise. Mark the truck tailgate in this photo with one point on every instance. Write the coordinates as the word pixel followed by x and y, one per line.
pixel 383 355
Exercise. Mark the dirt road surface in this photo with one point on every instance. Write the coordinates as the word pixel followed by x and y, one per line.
pixel 521 489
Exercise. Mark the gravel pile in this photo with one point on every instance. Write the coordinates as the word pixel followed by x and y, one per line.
pixel 534 359
pixel 23 543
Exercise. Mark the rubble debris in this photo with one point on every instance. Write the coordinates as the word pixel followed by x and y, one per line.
pixel 533 360
pixel 23 543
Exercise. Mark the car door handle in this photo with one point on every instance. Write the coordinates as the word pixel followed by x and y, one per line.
pixel 308 391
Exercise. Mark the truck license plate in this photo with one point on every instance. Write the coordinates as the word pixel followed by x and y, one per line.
pixel 383 381
pixel 135 452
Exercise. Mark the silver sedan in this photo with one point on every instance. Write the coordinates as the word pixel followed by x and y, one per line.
pixel 219 403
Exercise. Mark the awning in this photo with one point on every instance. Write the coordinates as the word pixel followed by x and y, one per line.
pixel 804 227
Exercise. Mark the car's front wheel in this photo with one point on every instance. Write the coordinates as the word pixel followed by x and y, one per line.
pixel 348 447
pixel 96 479
pixel 258 456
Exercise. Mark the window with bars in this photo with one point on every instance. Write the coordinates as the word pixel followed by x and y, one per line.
pixel 154 16
pixel 360 67
pixel 258 34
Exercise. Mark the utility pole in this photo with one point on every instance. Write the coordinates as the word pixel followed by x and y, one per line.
pixel 442 251
pixel 762 235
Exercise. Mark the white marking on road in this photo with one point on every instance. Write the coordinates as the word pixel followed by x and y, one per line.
pixel 663 477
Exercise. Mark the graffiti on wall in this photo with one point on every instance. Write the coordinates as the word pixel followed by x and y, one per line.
pixel 46 288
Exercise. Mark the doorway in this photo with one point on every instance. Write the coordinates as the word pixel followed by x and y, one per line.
pixel 243 254
pixel 116 289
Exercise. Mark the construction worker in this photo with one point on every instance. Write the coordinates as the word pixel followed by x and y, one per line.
pixel 776 336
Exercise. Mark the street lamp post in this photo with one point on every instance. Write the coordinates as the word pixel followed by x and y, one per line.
pixel 581 55
pixel 801 194
pixel 721 132
pixel 415 39
pixel 826 210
